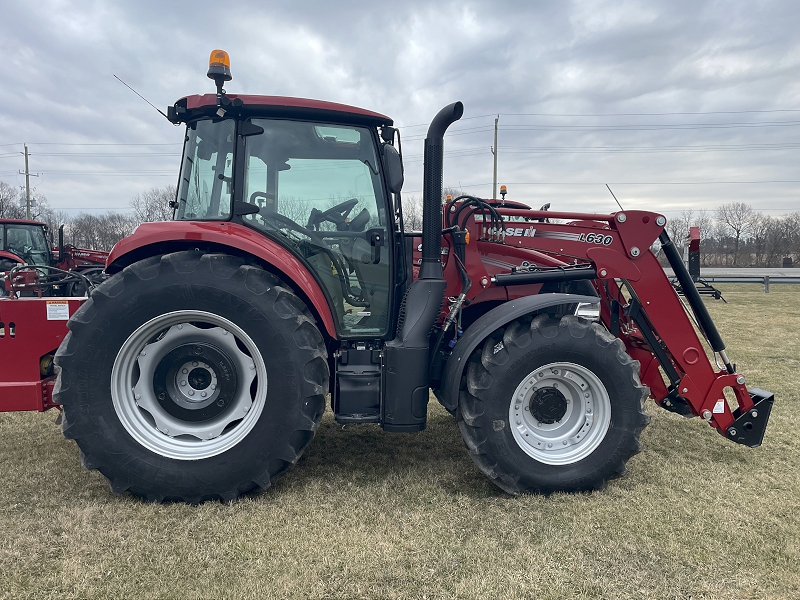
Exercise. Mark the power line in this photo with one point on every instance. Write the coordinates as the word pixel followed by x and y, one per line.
pixel 460 120
pixel 477 150
pixel 594 115
pixel 597 128
pixel 100 144
pixel 109 173
pixel 664 183
pixel 98 155
pixel 657 114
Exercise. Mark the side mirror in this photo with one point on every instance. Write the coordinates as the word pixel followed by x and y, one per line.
pixel 393 165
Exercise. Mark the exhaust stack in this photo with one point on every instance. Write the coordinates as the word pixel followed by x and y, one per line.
pixel 432 191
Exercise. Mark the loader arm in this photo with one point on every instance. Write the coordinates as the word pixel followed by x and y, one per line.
pixel 637 304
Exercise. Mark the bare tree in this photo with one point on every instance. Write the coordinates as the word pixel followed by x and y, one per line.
pixel 153 205
pixel 737 218
pixel 412 213
pixel 760 240
pixel 9 202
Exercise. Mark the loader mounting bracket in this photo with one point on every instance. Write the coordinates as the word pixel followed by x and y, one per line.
pixel 748 427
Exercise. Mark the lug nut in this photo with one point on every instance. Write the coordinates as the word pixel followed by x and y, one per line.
pixel 185 371
pixel 191 392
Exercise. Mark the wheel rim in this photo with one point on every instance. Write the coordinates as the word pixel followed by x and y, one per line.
pixel 189 385
pixel 560 413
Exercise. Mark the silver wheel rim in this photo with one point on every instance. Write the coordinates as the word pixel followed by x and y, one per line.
pixel 145 417
pixel 583 425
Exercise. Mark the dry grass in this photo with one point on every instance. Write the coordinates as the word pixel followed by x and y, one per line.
pixel 372 515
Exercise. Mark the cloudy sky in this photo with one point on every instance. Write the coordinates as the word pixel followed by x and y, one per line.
pixel 677 104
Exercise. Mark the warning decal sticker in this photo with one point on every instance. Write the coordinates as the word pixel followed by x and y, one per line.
pixel 58 310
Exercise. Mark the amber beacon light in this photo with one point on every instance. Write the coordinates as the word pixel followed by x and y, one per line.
pixel 219 68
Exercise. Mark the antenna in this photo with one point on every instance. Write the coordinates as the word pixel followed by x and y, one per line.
pixel 615 198
pixel 142 97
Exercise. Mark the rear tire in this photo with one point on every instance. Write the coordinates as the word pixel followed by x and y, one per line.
pixel 552 406
pixel 190 377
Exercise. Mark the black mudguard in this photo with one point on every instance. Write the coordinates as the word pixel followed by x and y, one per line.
pixel 483 327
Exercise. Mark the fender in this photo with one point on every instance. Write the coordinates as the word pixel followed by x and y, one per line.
pixel 151 239
pixel 4 254
pixel 483 327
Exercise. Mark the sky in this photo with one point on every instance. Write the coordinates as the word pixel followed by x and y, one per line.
pixel 676 104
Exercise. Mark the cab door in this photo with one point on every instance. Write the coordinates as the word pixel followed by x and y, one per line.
pixel 319 189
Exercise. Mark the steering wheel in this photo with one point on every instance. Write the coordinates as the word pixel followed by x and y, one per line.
pixel 335 214
pixel 284 221
pixel 24 252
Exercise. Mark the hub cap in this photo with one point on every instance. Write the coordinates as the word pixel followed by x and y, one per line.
pixel 188 385
pixel 560 413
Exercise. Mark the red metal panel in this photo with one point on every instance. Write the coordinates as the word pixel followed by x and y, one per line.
pixel 237 236
pixel 21 222
pixel 30 328
pixel 694 239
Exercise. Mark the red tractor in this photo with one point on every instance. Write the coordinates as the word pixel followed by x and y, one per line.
pixel 63 270
pixel 200 368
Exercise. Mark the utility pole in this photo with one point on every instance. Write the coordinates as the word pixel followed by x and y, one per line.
pixel 27 174
pixel 28 186
pixel 494 152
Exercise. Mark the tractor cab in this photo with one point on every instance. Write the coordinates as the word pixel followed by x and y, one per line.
pixel 315 186
pixel 23 242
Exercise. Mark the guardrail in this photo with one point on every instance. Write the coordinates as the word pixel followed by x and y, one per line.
pixel 764 280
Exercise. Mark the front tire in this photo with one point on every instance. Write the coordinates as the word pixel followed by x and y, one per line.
pixel 552 406
pixel 191 376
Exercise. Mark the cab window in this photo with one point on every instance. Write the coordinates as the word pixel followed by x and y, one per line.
pixel 318 188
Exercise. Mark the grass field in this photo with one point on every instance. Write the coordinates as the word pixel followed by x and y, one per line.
pixel 366 514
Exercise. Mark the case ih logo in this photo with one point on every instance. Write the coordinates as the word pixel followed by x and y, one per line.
pixel 520 232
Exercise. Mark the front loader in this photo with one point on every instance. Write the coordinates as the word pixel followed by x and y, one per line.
pixel 201 367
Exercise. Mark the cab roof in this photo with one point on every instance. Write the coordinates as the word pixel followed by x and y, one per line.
pixel 19 222
pixel 195 106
